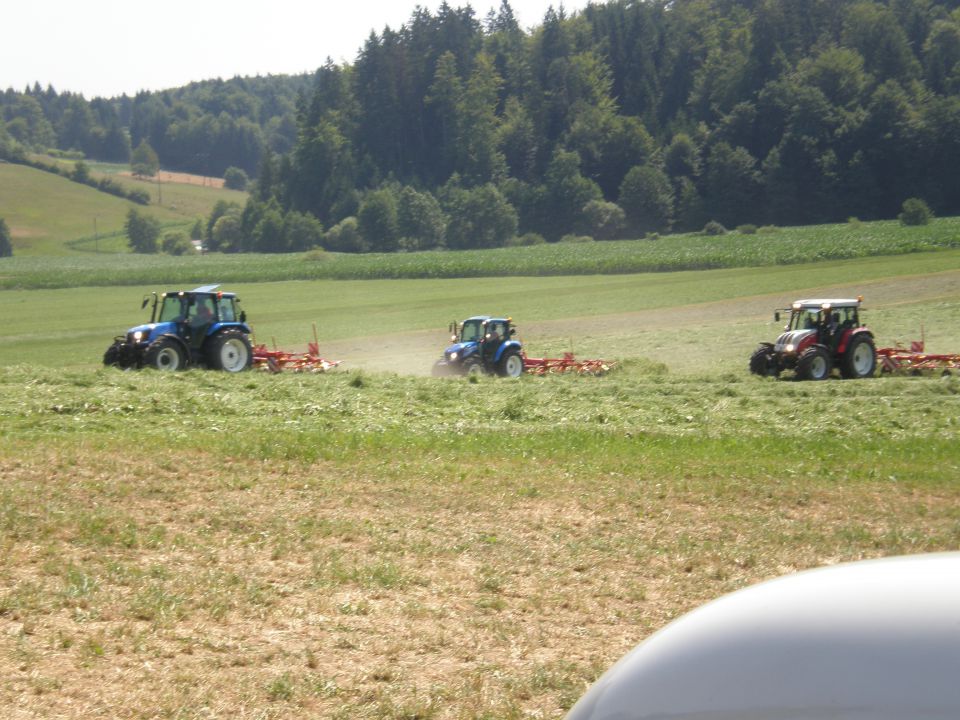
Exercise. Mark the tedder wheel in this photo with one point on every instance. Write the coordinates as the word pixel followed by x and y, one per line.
pixel 165 354
pixel 511 364
pixel 860 360
pixel 762 362
pixel 230 351
pixel 814 364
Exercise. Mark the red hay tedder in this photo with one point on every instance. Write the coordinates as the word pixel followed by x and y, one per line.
pixel 899 360
pixel 279 360
pixel 566 364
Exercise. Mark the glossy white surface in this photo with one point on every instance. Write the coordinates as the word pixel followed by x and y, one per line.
pixel 877 640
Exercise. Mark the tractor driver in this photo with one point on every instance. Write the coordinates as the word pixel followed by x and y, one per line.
pixel 204 313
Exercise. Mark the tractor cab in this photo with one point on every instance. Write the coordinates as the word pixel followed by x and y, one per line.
pixel 482 344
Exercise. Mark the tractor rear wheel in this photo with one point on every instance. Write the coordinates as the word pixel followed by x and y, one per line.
pixel 165 354
pixel 510 365
pixel 860 359
pixel 814 364
pixel 229 351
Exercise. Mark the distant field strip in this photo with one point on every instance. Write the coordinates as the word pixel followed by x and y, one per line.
pixel 782 246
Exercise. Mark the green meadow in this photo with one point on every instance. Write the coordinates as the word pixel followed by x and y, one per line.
pixel 376 543
pixel 49 215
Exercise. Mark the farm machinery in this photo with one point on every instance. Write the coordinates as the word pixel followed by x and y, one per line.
pixel 484 344
pixel 204 327
pixel 197 327
pixel 820 334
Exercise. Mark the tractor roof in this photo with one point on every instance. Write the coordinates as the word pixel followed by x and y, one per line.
pixel 832 302
pixel 486 318
pixel 202 290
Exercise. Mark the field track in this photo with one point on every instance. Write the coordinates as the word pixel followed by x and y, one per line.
pixel 662 332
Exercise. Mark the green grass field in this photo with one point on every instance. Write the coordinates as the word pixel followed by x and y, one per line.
pixel 50 216
pixel 783 246
pixel 373 543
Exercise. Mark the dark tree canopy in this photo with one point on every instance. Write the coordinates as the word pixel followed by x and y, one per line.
pixel 739 111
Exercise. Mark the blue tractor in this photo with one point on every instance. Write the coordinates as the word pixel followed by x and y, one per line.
pixel 482 344
pixel 187 328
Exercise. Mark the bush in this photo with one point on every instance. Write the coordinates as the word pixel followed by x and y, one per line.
pixel 714 228
pixel 235 179
pixel 345 237
pixel 767 229
pixel 915 212
pixel 747 229
pixel 176 243
pixel 576 239
pixel 141 197
pixel 6 242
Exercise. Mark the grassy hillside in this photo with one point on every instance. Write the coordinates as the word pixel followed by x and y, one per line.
pixel 47 213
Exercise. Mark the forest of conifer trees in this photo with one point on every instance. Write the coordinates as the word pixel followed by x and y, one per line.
pixel 624 119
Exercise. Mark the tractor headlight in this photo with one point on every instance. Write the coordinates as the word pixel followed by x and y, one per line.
pixel 139 335
pixel 790 348
pixel 453 357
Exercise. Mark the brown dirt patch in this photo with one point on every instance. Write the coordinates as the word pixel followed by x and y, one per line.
pixel 182 179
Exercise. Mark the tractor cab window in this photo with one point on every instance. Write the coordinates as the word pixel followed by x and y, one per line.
pixel 805 319
pixel 228 312
pixel 201 312
pixel 472 331
pixel 172 309
pixel 496 331
pixel 845 317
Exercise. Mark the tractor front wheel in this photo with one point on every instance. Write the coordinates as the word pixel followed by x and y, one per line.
pixel 229 351
pixel 814 364
pixel 762 362
pixel 860 359
pixel 472 367
pixel 111 358
pixel 511 364
pixel 165 354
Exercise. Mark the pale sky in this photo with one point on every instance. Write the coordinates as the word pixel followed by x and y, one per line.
pixel 110 47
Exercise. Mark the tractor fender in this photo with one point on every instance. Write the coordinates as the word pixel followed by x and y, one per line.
pixel 217 327
pixel 506 346
pixel 848 337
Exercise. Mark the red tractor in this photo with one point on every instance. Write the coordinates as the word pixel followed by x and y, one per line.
pixel 820 335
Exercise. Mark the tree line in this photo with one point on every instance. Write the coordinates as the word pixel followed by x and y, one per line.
pixel 628 118
pixel 204 128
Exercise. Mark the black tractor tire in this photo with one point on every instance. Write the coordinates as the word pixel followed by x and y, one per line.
pixel 860 359
pixel 473 366
pixel 165 354
pixel 814 364
pixel 111 358
pixel 230 351
pixel 510 365
pixel 762 361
